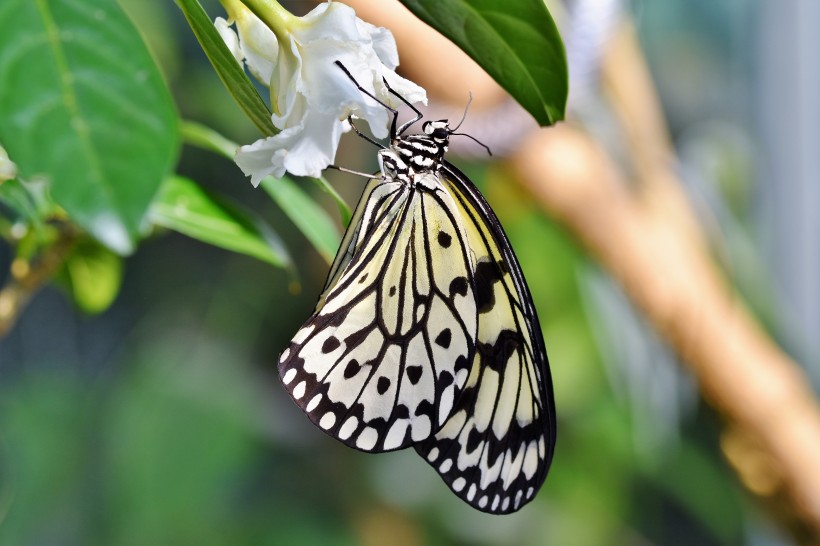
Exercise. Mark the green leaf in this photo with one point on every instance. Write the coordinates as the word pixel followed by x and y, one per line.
pixel 311 219
pixel 185 207
pixel 230 72
pixel 83 106
pixel 515 41
pixel 177 437
pixel 93 275
pixel 45 419
pixel 324 185
pixel 14 195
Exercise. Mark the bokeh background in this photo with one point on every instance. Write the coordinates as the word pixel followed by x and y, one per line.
pixel 161 420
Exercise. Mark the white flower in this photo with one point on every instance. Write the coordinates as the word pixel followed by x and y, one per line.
pixel 311 96
pixel 256 43
pixel 8 169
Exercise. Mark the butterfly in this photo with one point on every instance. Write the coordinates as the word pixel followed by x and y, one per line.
pixel 425 333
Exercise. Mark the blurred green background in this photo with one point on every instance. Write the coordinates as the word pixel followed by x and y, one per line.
pixel 161 421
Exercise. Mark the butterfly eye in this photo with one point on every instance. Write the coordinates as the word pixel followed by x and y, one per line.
pixel 440 133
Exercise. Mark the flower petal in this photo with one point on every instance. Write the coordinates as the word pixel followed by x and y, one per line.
pixel 266 156
pixel 259 45
pixel 8 169
pixel 382 42
pixel 288 97
pixel 303 150
pixel 329 21
pixel 229 37
pixel 315 148
pixel 311 97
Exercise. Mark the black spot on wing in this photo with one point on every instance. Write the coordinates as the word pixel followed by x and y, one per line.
pixel 330 345
pixel 473 440
pixel 458 286
pixel 425 407
pixel 392 290
pixel 413 374
pixel 445 379
pixel 444 338
pixel 444 239
pixel 502 266
pixel 496 355
pixel 486 275
pixel 382 385
pixel 462 362
pixel 356 338
pixel 352 369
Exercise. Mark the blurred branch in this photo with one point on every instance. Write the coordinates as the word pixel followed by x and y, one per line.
pixel 646 236
pixel 28 277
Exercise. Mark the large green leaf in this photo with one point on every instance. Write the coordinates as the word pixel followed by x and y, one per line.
pixel 185 207
pixel 515 41
pixel 83 106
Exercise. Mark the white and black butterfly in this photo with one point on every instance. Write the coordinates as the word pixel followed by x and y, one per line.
pixel 426 335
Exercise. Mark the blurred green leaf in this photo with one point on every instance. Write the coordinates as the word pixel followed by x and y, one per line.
pixel 16 197
pixel 92 274
pixel 701 485
pixel 185 207
pixel 515 41
pixel 324 185
pixel 311 219
pixel 83 106
pixel 230 72
pixel 178 439
pixel 43 456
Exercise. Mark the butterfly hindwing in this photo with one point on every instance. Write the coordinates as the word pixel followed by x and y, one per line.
pixel 495 450
pixel 383 359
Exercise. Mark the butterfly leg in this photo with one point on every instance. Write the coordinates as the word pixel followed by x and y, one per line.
pixel 418 113
pixel 351 171
pixel 372 96
pixel 362 135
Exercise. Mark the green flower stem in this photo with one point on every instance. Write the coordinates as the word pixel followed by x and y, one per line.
pixel 277 18
pixel 206 138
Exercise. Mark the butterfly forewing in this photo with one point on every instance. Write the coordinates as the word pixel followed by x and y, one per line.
pixel 383 359
pixel 495 450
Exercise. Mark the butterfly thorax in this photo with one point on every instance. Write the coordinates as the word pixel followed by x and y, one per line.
pixel 414 155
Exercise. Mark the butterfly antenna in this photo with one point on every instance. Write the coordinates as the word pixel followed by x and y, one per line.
pixel 463 117
pixel 474 139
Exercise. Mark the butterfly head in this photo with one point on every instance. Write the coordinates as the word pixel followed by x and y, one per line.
pixel 439 131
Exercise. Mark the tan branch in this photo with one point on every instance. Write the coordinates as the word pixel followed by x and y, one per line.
pixel 28 277
pixel 646 236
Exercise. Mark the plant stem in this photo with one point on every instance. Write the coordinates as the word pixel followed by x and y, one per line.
pixel 28 277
